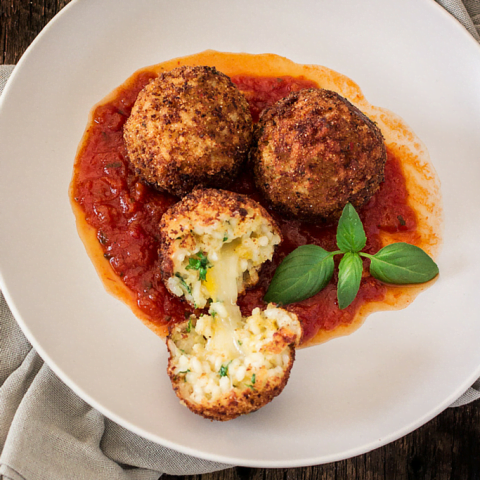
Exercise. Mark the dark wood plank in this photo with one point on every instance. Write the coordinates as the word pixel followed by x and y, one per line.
pixel 21 21
pixel 447 448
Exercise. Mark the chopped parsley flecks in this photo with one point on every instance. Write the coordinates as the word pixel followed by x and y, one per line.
pixel 251 385
pixel 184 373
pixel 114 165
pixel 199 262
pixel 223 372
pixel 102 238
pixel 184 284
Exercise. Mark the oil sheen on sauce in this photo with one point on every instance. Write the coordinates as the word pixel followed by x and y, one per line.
pixel 118 216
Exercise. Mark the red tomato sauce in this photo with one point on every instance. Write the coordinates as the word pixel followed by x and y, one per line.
pixel 264 91
pixel 126 213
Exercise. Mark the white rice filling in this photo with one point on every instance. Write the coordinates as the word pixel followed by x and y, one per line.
pixel 231 251
pixel 220 354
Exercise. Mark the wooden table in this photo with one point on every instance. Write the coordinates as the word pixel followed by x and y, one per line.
pixel 447 448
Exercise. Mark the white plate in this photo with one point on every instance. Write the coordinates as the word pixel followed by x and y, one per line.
pixel 344 398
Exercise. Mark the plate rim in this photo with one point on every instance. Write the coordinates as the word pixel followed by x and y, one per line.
pixel 187 450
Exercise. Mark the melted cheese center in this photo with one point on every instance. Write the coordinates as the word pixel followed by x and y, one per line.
pixel 222 283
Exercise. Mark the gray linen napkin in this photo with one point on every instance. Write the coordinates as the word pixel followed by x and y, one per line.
pixel 466 12
pixel 48 432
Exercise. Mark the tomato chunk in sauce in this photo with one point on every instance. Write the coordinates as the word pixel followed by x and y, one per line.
pixel 126 213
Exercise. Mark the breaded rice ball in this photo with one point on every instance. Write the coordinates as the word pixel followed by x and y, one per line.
pixel 221 369
pixel 315 152
pixel 189 127
pixel 213 243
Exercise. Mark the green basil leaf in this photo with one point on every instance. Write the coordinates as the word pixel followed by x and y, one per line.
pixel 350 233
pixel 349 278
pixel 402 264
pixel 302 274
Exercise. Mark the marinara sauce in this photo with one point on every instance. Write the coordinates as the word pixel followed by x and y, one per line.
pixel 125 213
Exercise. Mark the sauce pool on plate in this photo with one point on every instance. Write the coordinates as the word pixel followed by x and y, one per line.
pixel 118 215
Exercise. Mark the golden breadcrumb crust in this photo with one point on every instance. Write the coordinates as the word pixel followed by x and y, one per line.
pixel 189 127
pixel 314 152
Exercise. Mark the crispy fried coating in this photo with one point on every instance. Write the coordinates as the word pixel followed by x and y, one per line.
pixel 315 152
pixel 189 127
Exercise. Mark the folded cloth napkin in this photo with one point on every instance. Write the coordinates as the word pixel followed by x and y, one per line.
pixel 48 432
pixel 466 12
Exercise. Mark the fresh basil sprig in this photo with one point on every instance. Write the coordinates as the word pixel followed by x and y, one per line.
pixel 302 274
pixel 309 268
